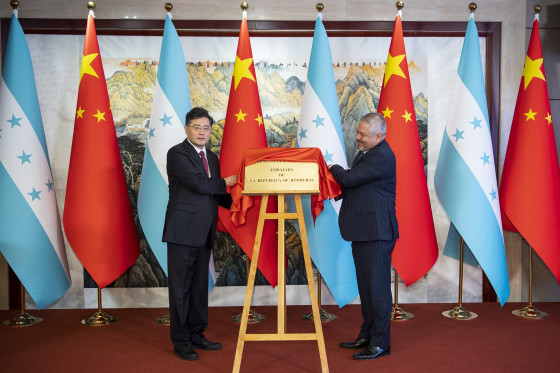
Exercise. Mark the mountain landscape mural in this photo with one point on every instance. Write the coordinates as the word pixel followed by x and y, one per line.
pixel 131 88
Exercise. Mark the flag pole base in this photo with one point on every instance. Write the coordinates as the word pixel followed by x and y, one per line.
pixel 23 319
pixel 164 320
pixel 398 314
pixel 530 312
pixel 459 313
pixel 99 318
pixel 254 317
pixel 324 316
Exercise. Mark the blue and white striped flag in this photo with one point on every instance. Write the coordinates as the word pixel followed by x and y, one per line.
pixel 320 126
pixel 465 177
pixel 172 101
pixel 30 233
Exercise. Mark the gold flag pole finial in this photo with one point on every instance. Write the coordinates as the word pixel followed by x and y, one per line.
pixel 472 7
pixel 244 6
pixel 400 5
pixel 91 5
pixel 168 7
pixel 15 4
pixel 537 8
pixel 319 7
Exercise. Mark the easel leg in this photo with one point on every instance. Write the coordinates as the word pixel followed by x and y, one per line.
pixel 281 270
pixel 311 285
pixel 250 287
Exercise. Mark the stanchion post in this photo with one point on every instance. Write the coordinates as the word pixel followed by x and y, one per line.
pixel 23 318
pixel 254 317
pixel 460 312
pixel 325 316
pixel 529 311
pixel 100 317
pixel 397 313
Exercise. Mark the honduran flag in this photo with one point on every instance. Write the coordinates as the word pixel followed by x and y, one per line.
pixel 320 126
pixel 30 231
pixel 465 177
pixel 172 101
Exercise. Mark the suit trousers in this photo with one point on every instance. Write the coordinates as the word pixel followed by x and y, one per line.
pixel 373 271
pixel 187 268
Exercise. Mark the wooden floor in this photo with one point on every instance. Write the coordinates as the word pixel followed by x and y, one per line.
pixel 496 341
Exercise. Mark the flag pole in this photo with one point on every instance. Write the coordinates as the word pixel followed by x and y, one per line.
pixel 165 319
pixel 254 317
pixel 325 316
pixel 22 318
pixel 460 312
pixel 397 313
pixel 100 317
pixel 529 311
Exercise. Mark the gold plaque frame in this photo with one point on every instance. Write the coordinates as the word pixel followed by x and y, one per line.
pixel 281 177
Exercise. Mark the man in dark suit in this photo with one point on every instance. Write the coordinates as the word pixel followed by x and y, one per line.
pixel 367 218
pixel 195 191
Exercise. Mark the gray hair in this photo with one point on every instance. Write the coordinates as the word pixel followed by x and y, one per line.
pixel 376 123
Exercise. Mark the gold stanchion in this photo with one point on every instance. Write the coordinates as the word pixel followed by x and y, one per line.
pixel 164 320
pixel 325 316
pixel 23 318
pixel 460 312
pixel 397 313
pixel 254 317
pixel 530 312
pixel 100 317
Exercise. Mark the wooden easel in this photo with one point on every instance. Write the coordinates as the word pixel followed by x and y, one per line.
pixel 282 334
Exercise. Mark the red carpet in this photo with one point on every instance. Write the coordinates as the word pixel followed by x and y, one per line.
pixel 496 341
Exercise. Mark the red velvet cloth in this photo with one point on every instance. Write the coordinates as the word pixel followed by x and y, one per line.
pixel 328 187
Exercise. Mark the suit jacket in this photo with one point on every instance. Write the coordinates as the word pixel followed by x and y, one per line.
pixel 192 210
pixel 368 208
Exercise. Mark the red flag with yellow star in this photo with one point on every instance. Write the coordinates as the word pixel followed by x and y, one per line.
pixel 98 218
pixel 530 186
pixel 416 249
pixel 244 129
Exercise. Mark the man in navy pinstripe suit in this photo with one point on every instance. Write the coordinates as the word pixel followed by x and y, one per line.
pixel 367 218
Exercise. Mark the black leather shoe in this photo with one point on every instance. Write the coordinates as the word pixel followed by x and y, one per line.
pixel 207 345
pixel 358 343
pixel 371 353
pixel 186 353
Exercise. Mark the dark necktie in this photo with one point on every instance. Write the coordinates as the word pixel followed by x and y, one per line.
pixel 357 158
pixel 204 162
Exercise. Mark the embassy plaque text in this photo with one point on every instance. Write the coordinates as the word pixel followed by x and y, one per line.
pixel 275 177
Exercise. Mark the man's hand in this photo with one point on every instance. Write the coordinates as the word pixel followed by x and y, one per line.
pixel 231 180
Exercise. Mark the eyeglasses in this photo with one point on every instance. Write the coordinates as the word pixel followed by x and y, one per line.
pixel 198 128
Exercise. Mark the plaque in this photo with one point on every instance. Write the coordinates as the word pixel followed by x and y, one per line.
pixel 281 177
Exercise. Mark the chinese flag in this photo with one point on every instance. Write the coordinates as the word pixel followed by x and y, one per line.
pixel 97 219
pixel 244 129
pixel 416 250
pixel 530 186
